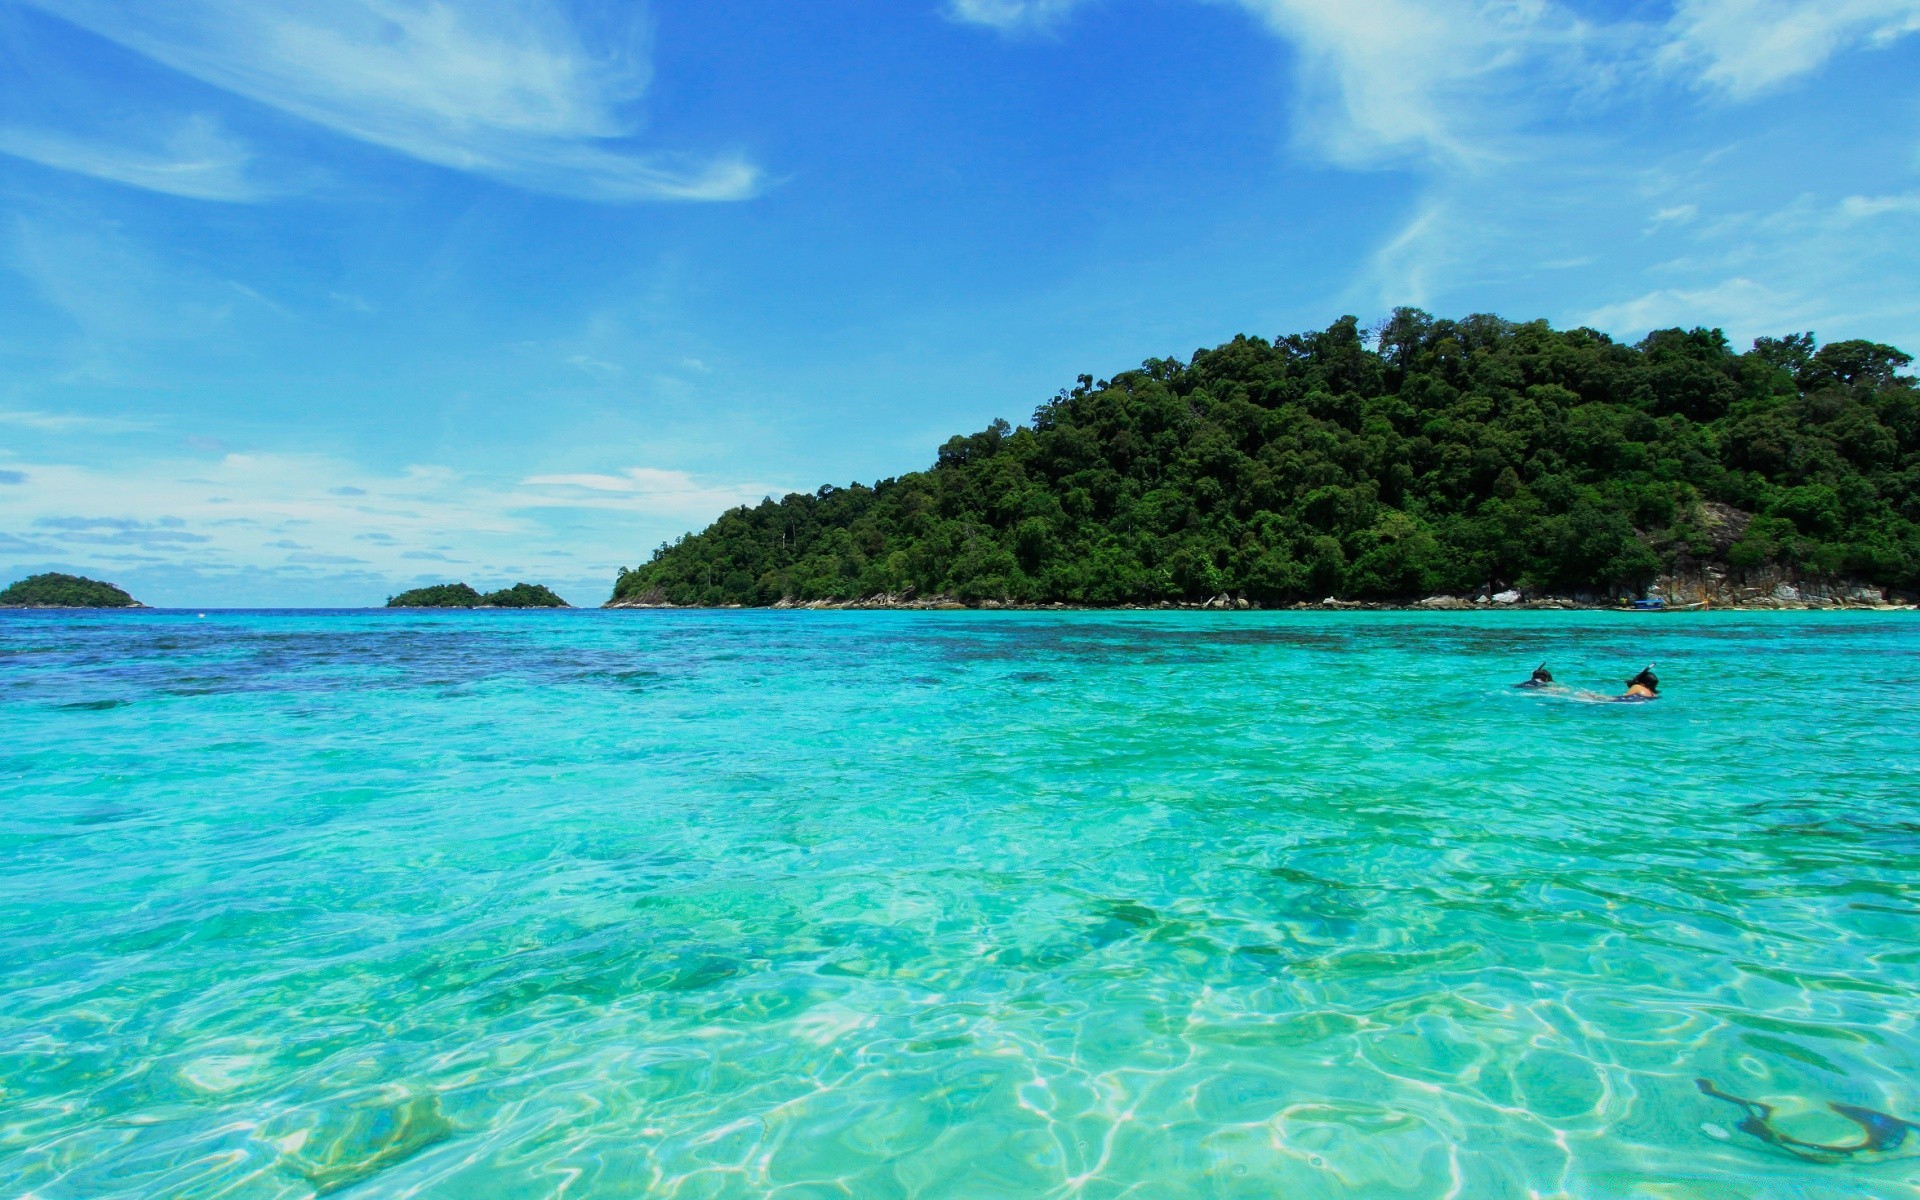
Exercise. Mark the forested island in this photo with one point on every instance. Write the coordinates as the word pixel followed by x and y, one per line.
pixel 55 590
pixel 1423 456
pixel 460 595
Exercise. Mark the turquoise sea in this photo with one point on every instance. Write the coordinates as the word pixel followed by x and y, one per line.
pixel 960 905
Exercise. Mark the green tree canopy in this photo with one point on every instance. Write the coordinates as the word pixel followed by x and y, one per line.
pixel 439 595
pixel 523 595
pixel 460 595
pixel 1425 455
pixel 54 590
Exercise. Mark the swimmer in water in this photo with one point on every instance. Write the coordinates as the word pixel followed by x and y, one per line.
pixel 1644 686
pixel 1541 678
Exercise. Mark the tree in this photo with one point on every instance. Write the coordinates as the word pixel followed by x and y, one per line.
pixel 1427 454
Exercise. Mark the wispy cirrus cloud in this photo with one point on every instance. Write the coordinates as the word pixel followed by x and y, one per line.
pixel 1382 79
pixel 1445 80
pixel 1011 15
pixel 1522 123
pixel 1385 81
pixel 1738 303
pixel 1745 47
pixel 521 91
pixel 642 488
pixel 116 290
pixel 46 422
pixel 197 158
pixel 1861 208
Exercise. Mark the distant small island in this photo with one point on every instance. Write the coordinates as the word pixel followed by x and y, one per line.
pixel 459 595
pixel 54 590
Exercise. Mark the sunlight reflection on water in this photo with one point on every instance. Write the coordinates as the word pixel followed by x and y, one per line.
pixel 951 904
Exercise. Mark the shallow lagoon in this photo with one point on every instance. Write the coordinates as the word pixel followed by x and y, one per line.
pixel 827 904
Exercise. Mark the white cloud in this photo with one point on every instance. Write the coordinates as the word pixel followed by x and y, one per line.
pixel 597 367
pixel 1860 208
pixel 1735 304
pixel 1439 79
pixel 113 288
pixel 45 422
pixel 360 534
pixel 1012 15
pixel 1407 267
pixel 1745 47
pixel 1525 123
pixel 1388 80
pixel 511 89
pixel 197 159
pixel 1448 79
pixel 644 488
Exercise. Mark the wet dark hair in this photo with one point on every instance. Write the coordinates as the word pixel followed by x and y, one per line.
pixel 1542 675
pixel 1646 679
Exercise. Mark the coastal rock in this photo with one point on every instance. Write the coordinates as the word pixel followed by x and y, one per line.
pixel 1507 597
pixel 1724 524
pixel 336 1147
pixel 1443 602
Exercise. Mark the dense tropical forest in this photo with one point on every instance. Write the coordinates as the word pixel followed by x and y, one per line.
pixel 55 590
pixel 460 595
pixel 1419 456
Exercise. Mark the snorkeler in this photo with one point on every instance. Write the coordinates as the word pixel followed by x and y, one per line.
pixel 1644 686
pixel 1880 1132
pixel 1541 678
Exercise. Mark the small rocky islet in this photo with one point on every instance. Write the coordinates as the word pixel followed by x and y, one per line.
pixel 54 589
pixel 462 595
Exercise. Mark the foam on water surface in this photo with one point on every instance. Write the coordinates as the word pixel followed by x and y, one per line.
pixel 877 905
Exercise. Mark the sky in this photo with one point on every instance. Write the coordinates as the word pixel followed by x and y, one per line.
pixel 303 302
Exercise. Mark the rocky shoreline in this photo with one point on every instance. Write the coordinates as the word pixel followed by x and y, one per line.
pixel 1703 591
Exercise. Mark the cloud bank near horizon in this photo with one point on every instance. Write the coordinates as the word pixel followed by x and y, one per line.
pixel 267 528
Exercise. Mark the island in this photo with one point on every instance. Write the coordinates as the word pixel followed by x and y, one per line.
pixel 55 590
pixel 1422 461
pixel 460 595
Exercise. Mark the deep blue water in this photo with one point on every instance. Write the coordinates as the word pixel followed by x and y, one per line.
pixel 967 905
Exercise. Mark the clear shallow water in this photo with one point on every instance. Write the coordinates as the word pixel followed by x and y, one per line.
pixel 951 905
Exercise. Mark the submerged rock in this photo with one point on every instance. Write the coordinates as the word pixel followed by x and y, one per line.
pixel 336 1147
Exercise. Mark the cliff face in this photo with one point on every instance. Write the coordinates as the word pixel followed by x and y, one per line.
pixel 1767 587
pixel 1712 573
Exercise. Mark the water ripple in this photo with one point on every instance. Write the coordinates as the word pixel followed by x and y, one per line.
pixel 951 904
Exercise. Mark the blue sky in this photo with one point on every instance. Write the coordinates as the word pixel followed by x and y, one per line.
pixel 304 301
